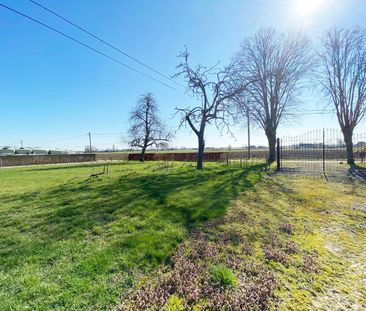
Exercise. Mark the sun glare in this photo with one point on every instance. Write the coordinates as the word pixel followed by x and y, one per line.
pixel 305 7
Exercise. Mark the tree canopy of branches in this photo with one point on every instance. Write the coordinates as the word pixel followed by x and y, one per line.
pixel 277 65
pixel 146 128
pixel 215 97
pixel 343 77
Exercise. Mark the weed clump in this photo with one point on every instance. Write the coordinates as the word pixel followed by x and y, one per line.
pixel 278 250
pixel 223 276
pixel 231 236
pixel 199 281
pixel 286 228
pixel 275 254
pixel 311 263
pixel 174 303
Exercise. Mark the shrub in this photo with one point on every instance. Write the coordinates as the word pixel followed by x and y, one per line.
pixel 223 276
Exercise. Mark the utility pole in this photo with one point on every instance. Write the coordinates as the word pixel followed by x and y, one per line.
pixel 248 122
pixel 90 143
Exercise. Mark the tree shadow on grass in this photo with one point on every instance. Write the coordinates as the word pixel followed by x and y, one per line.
pixel 70 166
pixel 358 172
pixel 140 216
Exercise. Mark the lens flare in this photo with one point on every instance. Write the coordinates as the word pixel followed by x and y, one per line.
pixel 305 7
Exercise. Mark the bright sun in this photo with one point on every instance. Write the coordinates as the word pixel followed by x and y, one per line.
pixel 305 7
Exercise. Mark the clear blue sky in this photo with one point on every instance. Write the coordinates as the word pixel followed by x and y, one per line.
pixel 51 89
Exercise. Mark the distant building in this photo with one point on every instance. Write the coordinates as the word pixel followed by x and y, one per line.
pixel 7 151
pixel 39 152
pixel 360 144
pixel 23 151
pixel 55 152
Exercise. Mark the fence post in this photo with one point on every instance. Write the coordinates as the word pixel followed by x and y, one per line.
pixel 281 152
pixel 278 155
pixel 323 151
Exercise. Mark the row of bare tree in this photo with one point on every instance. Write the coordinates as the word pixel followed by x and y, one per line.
pixel 265 80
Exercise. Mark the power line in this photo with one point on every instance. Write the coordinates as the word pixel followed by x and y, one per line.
pixel 59 140
pixel 110 134
pixel 87 46
pixel 105 42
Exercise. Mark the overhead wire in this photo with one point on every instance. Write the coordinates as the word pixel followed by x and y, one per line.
pixel 105 42
pixel 59 140
pixel 87 46
pixel 305 112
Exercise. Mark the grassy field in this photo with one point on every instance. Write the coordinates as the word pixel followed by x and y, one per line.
pixel 68 242
pixel 179 239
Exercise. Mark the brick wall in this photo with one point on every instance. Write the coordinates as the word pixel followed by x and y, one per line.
pixel 111 156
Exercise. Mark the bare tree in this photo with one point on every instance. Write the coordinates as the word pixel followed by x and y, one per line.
pixel 146 127
pixel 214 96
pixel 343 77
pixel 277 64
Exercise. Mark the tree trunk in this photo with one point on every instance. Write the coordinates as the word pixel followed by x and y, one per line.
pixel 271 137
pixel 201 150
pixel 142 155
pixel 348 135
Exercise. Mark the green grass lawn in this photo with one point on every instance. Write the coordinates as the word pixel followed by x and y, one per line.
pixel 177 238
pixel 74 243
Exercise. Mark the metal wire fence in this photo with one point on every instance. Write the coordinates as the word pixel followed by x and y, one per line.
pixel 257 156
pixel 321 151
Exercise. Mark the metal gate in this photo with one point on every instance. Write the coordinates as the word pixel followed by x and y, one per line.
pixel 320 151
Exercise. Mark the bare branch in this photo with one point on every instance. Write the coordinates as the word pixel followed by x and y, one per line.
pixel 146 128
pixel 277 65
pixel 343 78
pixel 214 95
